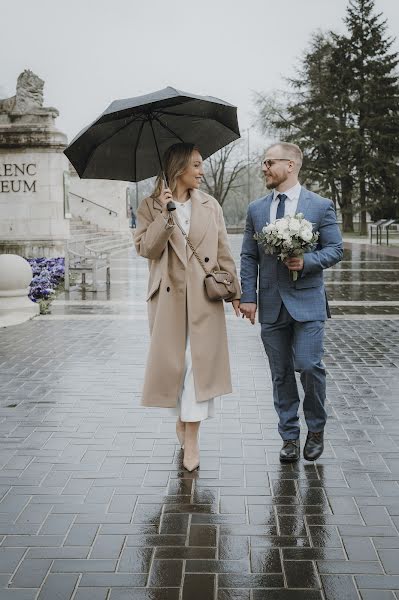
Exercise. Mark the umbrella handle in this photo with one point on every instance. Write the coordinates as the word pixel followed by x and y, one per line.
pixel 170 205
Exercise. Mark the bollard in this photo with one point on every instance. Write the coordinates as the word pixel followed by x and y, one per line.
pixel 15 277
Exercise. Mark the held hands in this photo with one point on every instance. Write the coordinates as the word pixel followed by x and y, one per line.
pixel 248 310
pixel 294 263
pixel 236 307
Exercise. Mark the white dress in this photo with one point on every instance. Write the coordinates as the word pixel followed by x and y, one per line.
pixel 187 407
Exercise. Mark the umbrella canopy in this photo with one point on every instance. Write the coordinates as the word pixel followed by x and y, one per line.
pixel 127 141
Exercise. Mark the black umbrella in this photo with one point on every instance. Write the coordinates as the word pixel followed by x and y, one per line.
pixel 127 141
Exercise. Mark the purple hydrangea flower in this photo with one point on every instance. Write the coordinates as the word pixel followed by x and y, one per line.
pixel 48 273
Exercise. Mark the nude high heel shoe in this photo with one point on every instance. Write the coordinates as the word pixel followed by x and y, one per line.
pixel 191 458
pixel 180 432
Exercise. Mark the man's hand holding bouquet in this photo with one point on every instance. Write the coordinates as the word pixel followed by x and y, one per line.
pixel 288 237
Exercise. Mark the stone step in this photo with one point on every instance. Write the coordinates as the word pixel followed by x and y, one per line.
pixel 81 237
pixel 108 238
pixel 79 220
pixel 81 224
pixel 98 240
pixel 112 248
pixel 103 233
pixel 83 228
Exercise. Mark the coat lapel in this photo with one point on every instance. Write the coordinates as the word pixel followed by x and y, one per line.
pixel 263 213
pixel 267 206
pixel 303 202
pixel 200 217
pixel 176 240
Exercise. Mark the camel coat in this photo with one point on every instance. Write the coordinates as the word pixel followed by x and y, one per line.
pixel 176 299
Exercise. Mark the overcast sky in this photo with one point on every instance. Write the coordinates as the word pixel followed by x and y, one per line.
pixel 90 52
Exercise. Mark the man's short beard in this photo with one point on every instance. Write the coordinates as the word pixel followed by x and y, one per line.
pixel 275 183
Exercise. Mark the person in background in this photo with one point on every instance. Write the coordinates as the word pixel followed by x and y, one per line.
pixel 132 217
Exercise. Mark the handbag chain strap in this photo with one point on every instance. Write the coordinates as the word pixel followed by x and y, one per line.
pixel 201 262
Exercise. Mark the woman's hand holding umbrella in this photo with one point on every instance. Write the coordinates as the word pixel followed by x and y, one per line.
pixel 165 196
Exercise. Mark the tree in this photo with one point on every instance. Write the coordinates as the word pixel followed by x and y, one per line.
pixel 375 105
pixel 316 116
pixel 343 111
pixel 250 185
pixel 222 172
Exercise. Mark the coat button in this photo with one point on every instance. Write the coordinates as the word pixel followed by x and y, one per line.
pixel 168 289
pixel 206 259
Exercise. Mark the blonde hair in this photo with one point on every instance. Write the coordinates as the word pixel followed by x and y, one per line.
pixel 292 150
pixel 175 161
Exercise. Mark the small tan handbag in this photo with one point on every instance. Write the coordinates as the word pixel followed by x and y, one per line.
pixel 219 285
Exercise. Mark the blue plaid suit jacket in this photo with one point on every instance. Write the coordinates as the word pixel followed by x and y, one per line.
pixel 266 281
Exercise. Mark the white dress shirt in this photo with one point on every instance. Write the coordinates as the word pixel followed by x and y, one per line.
pixel 291 202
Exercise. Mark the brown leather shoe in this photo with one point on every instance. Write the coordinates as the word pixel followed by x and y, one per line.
pixel 290 451
pixel 314 445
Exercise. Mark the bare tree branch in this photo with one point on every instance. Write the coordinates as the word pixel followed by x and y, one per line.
pixel 222 170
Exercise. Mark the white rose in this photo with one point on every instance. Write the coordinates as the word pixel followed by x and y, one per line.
pixel 294 225
pixel 268 228
pixel 306 235
pixel 281 225
pixel 306 223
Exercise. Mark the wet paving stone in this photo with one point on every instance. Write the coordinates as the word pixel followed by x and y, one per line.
pixel 166 573
pixel 198 586
pixel 233 594
pixel 287 595
pixel 143 594
pixel 265 561
pixel 301 574
pixel 60 586
pixel 95 504
pixel 337 587
pixel 135 560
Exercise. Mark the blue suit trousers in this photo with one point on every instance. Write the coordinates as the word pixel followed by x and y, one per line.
pixel 296 346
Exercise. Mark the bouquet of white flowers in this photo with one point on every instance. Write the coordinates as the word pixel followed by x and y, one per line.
pixel 289 236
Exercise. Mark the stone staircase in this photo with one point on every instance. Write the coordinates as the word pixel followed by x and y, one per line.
pixel 99 240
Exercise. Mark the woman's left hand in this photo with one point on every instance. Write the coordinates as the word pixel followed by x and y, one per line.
pixel 236 307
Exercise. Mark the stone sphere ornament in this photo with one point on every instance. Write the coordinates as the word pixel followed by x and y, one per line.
pixel 15 277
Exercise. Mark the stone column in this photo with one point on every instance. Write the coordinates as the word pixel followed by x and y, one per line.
pixel 32 166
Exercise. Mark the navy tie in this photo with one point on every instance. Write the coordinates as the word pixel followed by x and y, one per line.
pixel 281 206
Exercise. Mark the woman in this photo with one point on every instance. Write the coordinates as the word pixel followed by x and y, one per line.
pixel 188 362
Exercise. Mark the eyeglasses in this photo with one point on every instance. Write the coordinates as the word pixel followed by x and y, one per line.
pixel 269 162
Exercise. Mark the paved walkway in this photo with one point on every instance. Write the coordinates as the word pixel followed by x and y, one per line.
pixel 95 504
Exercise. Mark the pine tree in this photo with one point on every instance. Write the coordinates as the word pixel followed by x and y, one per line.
pixel 344 113
pixel 317 117
pixel 375 105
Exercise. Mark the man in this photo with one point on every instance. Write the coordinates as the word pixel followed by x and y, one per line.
pixel 291 313
pixel 132 217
